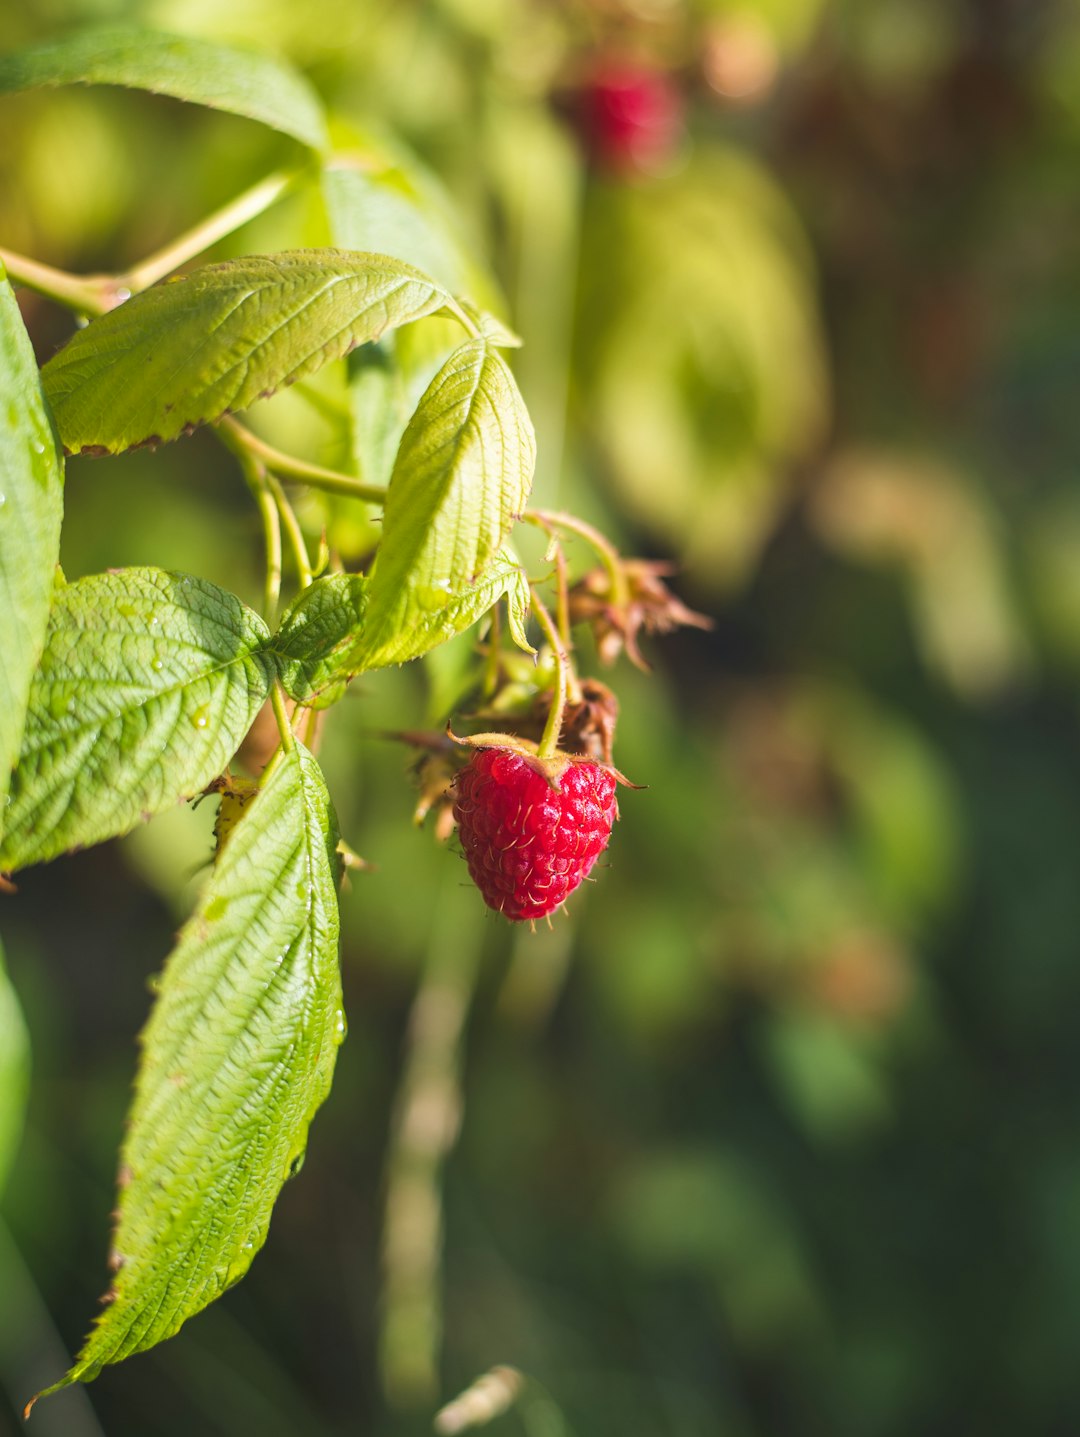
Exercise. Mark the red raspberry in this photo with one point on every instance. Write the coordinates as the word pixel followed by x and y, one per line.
pixel 630 117
pixel 528 845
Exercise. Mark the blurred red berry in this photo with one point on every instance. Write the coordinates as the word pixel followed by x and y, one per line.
pixel 629 117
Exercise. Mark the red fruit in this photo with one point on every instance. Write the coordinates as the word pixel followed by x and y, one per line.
pixel 630 117
pixel 528 845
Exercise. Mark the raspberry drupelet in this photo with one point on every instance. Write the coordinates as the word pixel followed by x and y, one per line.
pixel 527 844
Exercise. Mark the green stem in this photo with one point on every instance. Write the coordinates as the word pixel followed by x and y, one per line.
pixel 200 237
pixel 96 294
pixel 464 319
pixel 268 512
pixel 294 531
pixel 281 713
pixel 562 598
pixel 606 552
pixel 565 682
pixel 259 482
pixel 90 295
pixel 287 467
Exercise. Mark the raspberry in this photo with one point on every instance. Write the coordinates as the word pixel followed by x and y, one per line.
pixel 528 845
pixel 630 117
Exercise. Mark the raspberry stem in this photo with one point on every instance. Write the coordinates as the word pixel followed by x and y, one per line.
pixel 277 699
pixel 289 467
pixel 257 480
pixel 566 685
pixel 606 552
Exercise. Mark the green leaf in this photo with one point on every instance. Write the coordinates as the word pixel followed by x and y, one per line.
pixel 321 624
pixel 219 76
pixel 462 476
pixel 14 1071
pixel 147 685
pixel 386 382
pixel 377 409
pixel 237 1056
pixel 380 197
pixel 194 348
pixel 31 507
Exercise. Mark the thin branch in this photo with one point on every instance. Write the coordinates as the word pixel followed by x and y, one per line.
pixel 549 519
pixel 292 528
pixel 89 295
pixel 95 294
pixel 288 467
pixel 281 714
pixel 259 482
pixel 207 232
pixel 565 681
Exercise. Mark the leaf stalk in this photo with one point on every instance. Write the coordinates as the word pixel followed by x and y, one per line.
pixel 566 685
pixel 207 232
pixel 287 467
pixel 606 552
pixel 89 295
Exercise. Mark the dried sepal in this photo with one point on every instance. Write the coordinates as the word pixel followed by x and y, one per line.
pixel 648 603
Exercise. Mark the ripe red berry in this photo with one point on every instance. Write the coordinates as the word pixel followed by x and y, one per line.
pixel 528 845
pixel 629 117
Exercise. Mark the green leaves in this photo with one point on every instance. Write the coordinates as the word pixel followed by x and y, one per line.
pixel 318 628
pixel 237 1056
pixel 463 473
pixel 219 76
pixel 192 349
pixel 31 507
pixel 147 684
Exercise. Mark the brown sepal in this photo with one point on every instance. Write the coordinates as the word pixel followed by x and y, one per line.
pixel 650 605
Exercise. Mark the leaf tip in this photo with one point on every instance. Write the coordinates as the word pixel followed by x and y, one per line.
pixel 65 1381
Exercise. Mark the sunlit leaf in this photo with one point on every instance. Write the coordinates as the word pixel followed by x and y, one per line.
pixel 147 684
pixel 205 344
pixel 31 506
pixel 237 1056
pixel 422 628
pixel 242 82
pixel 462 476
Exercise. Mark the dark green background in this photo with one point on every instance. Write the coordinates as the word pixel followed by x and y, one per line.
pixel 777 1132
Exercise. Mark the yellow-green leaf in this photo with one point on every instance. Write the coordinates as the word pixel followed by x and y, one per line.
pixel 194 348
pixel 462 476
pixel 221 77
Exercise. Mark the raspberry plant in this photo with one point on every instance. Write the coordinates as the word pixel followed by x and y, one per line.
pixel 124 693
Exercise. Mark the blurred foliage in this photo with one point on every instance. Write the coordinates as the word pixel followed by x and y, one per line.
pixel 776 1132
